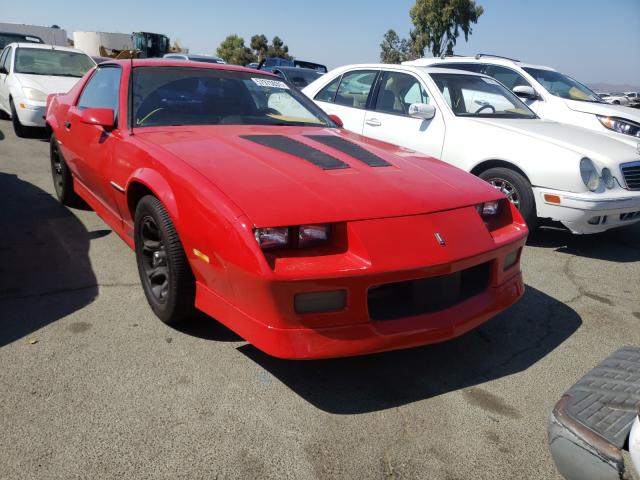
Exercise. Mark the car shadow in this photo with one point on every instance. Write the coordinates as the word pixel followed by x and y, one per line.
pixel 616 245
pixel 203 326
pixel 509 343
pixel 45 271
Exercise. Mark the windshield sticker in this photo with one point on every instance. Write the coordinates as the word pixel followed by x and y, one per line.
pixel 264 82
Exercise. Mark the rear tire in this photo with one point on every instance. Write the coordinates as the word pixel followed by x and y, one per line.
pixel 62 178
pixel 21 130
pixel 165 273
pixel 517 189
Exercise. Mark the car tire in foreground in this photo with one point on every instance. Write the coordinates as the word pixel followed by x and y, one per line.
pixel 62 178
pixel 517 189
pixel 167 279
pixel 21 130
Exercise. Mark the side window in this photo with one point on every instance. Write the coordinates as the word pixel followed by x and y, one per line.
pixel 354 88
pixel 510 78
pixel 328 93
pixel 397 92
pixel 7 59
pixel 102 90
pixel 3 54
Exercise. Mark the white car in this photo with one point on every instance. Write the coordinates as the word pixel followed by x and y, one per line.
pixel 587 181
pixel 550 94
pixel 193 58
pixel 616 98
pixel 29 72
pixel 634 98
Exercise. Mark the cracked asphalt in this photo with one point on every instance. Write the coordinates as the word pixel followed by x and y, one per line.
pixel 94 386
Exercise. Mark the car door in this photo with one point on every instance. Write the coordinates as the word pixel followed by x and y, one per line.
pixel 347 97
pixel 5 61
pixel 388 118
pixel 92 147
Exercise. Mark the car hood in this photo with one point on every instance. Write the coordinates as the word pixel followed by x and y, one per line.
pixel 47 83
pixel 605 149
pixel 275 188
pixel 605 109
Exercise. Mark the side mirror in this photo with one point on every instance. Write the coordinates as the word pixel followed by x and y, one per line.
pixel 525 91
pixel 3 70
pixel 422 110
pixel 337 120
pixel 102 117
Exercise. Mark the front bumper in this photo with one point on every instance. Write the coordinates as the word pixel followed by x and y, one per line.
pixel 264 312
pixel 30 112
pixel 584 213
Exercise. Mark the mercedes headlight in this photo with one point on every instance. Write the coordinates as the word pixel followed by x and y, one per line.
pixel 34 94
pixel 620 125
pixel 589 174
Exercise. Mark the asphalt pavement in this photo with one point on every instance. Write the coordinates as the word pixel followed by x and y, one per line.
pixel 93 386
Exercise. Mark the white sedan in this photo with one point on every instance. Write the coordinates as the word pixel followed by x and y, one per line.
pixel 29 72
pixel 616 98
pixel 587 181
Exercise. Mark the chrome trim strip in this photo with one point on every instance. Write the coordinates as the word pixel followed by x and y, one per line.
pixel 588 200
pixel 117 187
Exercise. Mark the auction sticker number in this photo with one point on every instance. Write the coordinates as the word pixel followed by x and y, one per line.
pixel 264 82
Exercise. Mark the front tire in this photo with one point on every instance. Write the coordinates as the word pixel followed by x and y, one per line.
pixel 517 189
pixel 20 130
pixel 165 273
pixel 62 178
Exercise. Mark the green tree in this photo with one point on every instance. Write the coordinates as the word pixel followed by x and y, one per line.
pixel 438 23
pixel 393 49
pixel 233 50
pixel 278 49
pixel 260 46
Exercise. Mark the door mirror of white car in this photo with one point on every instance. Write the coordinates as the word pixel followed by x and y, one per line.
pixel 3 71
pixel 525 91
pixel 422 110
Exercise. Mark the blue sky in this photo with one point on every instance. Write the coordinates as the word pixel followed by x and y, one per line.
pixel 592 40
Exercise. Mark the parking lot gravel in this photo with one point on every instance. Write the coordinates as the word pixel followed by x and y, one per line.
pixel 94 386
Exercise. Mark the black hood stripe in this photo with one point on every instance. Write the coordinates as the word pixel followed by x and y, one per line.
pixel 351 149
pixel 298 149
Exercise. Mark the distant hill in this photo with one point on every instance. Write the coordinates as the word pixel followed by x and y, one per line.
pixel 612 87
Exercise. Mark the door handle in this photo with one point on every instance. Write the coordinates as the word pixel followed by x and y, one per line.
pixel 67 124
pixel 373 122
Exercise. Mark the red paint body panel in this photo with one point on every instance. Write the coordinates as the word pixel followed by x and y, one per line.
pixel 218 187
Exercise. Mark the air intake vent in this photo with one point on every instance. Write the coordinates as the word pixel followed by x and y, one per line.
pixel 631 173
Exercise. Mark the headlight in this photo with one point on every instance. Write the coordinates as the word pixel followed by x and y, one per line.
pixel 608 179
pixel 34 94
pixel 488 209
pixel 620 125
pixel 272 237
pixel 589 174
pixel 302 236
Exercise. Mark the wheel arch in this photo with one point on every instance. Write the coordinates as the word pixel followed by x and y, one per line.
pixel 495 163
pixel 148 182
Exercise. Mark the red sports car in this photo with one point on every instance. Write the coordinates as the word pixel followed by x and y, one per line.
pixel 242 199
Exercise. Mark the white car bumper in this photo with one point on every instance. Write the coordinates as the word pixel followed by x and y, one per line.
pixel 589 212
pixel 30 112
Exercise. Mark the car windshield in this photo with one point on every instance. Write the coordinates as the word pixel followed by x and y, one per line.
pixel 208 96
pixel 301 77
pixel 41 61
pixel 562 85
pixel 476 96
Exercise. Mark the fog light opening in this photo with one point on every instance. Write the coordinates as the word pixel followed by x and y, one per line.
pixel 594 221
pixel 320 302
pixel 511 259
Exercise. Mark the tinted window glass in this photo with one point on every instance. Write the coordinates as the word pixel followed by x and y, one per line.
pixel 328 93
pixel 41 61
pixel 7 59
pixel 509 78
pixel 469 67
pixel 354 88
pixel 3 55
pixel 398 91
pixel 102 90
pixel 207 96
pixel 562 86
